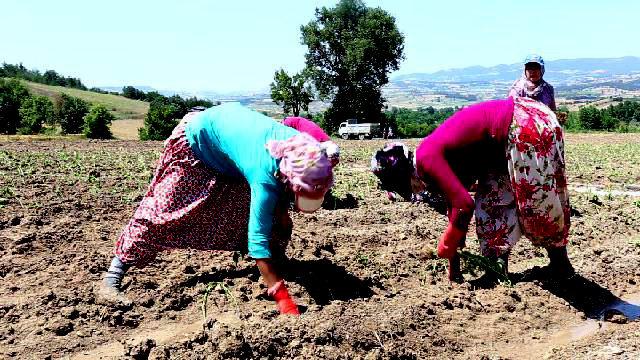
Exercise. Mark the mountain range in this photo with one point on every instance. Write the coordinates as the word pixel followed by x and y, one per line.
pixel 575 81
pixel 557 71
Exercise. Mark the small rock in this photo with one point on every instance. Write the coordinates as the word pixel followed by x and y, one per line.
pixel 70 313
pixel 612 350
pixel 81 334
pixel 617 318
pixel 426 253
pixel 140 350
pixel 373 355
pixel 60 327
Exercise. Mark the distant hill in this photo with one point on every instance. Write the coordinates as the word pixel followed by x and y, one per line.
pixel 577 81
pixel 119 106
pixel 558 71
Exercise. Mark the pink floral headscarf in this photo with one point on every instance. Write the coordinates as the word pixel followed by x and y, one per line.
pixel 303 163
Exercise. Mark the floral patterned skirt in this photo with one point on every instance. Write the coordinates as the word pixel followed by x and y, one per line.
pixel 531 199
pixel 189 205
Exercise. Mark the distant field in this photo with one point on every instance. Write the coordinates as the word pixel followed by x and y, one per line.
pixel 126 129
pixel 119 106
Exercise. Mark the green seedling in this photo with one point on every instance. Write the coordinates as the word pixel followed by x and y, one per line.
pixel 474 262
pixel 216 286
pixel 362 259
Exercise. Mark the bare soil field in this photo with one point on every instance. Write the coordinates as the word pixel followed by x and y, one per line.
pixel 363 270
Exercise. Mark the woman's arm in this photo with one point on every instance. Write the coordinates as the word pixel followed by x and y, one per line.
pixel 268 271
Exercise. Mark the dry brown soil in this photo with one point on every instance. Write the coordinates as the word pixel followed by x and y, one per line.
pixel 364 273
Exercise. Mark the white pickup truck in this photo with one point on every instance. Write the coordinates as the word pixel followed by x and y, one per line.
pixel 351 129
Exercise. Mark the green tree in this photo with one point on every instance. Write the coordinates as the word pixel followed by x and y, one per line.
pixel 152 96
pixel 626 112
pixel 70 112
pixel 97 122
pixel 35 111
pixel 160 120
pixel 133 93
pixel 351 50
pixel 194 101
pixel 12 93
pixel 417 123
pixel 180 105
pixel 590 118
pixel 609 122
pixel 292 92
pixel 573 121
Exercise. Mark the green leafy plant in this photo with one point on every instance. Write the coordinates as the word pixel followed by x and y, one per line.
pixel 474 262
pixel 362 259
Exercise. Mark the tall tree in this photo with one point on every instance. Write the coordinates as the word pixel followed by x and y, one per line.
pixel 351 50
pixel 159 122
pixel 132 93
pixel 292 92
pixel 12 94
pixel 590 117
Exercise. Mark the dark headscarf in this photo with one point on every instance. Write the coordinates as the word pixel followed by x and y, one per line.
pixel 393 165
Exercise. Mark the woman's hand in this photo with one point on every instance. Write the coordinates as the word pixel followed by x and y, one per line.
pixel 277 289
pixel 280 294
pixel 450 241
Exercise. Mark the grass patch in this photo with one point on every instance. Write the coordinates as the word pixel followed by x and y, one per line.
pixel 120 106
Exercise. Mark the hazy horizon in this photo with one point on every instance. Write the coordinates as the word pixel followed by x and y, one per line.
pixel 237 46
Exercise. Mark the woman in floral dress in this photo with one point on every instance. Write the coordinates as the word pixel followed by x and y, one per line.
pixel 514 150
pixel 224 182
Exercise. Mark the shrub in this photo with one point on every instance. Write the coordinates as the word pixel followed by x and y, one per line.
pixel 97 122
pixel 35 111
pixel 12 93
pixel 590 118
pixel 70 113
pixel 160 120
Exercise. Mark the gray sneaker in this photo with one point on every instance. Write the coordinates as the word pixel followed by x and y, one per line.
pixel 110 293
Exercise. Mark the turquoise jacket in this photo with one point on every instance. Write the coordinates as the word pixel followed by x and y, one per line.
pixel 232 139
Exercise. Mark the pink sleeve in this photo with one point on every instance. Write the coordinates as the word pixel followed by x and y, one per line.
pixel 291 122
pixel 472 125
pixel 433 166
pixel 307 126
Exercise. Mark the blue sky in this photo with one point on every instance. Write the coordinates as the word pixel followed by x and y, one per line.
pixel 237 45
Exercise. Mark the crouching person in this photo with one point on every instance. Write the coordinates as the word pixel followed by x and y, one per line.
pixel 514 150
pixel 224 182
